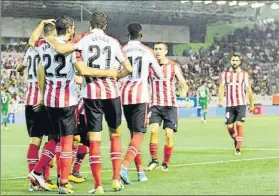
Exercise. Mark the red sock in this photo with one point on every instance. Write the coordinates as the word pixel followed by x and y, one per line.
pixel 167 154
pixel 95 161
pixel 32 156
pixel 46 157
pixel 82 151
pixel 47 172
pixel 239 137
pixel 116 156
pixel 57 154
pixel 133 149
pixel 138 162
pixel 75 149
pixel 232 132
pixel 66 157
pixel 153 148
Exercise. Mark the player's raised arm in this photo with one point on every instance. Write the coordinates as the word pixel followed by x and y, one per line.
pixel 38 31
pixel 221 89
pixel 182 82
pixel 88 71
pixel 78 80
pixel 250 92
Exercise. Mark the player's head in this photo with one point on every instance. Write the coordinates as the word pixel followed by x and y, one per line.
pixel 98 20
pixel 65 26
pixel 161 50
pixel 49 29
pixel 235 60
pixel 134 31
pixel 203 83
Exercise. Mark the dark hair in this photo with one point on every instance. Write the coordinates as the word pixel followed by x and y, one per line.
pixel 236 54
pixel 164 43
pixel 98 20
pixel 63 24
pixel 135 30
pixel 48 29
pixel 203 82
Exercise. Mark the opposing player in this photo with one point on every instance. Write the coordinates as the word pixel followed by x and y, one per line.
pixel 135 97
pixel 163 105
pixel 203 95
pixel 5 101
pixel 57 85
pixel 36 120
pixel 236 81
pixel 101 95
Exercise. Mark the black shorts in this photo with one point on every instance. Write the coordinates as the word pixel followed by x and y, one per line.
pixel 96 108
pixel 168 114
pixel 235 113
pixel 63 120
pixel 82 130
pixel 136 117
pixel 37 123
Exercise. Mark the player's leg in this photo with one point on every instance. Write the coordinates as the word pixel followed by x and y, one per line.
pixel 170 127
pixel 230 120
pixel 136 116
pixel 35 142
pixel 94 116
pixel 48 151
pixel 113 114
pixel 240 118
pixel 82 151
pixel 4 116
pixel 204 112
pixel 67 125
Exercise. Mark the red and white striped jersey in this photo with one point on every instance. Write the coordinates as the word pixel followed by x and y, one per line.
pixel 99 50
pixel 135 86
pixel 60 85
pixel 31 61
pixel 235 84
pixel 163 91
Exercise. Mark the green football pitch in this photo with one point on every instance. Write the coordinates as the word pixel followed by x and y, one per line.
pixel 203 161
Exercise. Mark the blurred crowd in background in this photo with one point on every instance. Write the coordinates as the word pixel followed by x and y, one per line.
pixel 258 45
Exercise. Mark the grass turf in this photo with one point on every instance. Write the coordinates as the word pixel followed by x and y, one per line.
pixel 202 163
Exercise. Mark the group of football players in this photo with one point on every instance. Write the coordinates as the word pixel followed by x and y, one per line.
pixel 73 81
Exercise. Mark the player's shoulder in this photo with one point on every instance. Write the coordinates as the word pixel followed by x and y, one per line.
pixel 173 63
pixel 79 37
pixel 39 42
pixel 147 49
pixel 113 40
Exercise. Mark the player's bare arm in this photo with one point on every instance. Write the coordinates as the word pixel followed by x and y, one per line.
pixel 38 31
pixel 78 80
pixel 61 48
pixel 221 91
pixel 88 71
pixel 20 67
pixel 41 82
pixel 250 96
pixel 184 87
pixel 127 69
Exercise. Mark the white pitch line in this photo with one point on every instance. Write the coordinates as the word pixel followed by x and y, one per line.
pixel 178 147
pixel 178 165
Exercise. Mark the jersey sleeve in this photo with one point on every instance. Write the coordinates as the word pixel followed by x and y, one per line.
pixel 120 55
pixel 156 68
pixel 78 45
pixel 178 72
pixel 246 80
pixel 24 62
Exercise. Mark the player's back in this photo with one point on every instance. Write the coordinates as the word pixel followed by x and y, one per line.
pixel 98 50
pixel 203 92
pixel 31 61
pixel 135 87
pixel 60 86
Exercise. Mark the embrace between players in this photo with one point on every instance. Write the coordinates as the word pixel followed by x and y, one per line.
pixel 57 64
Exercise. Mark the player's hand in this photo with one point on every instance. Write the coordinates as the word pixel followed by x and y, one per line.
pixel 48 21
pixel 252 108
pixel 220 104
